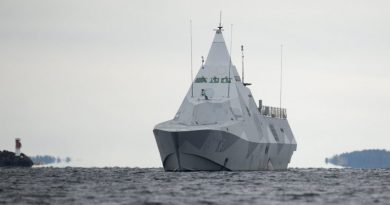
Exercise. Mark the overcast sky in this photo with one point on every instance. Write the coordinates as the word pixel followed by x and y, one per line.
pixel 90 79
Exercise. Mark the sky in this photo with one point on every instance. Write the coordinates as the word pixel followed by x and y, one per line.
pixel 90 79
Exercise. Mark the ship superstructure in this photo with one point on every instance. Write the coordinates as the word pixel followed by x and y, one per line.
pixel 219 126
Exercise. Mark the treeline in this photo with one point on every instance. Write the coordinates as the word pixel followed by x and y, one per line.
pixel 372 158
pixel 47 159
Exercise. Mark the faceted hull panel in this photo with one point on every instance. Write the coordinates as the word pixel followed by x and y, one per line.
pixel 215 150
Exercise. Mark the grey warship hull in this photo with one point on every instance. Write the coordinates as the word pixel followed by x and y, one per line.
pixel 219 126
pixel 186 151
pixel 218 150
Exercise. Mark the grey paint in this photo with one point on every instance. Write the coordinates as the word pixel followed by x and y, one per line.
pixel 211 150
pixel 219 126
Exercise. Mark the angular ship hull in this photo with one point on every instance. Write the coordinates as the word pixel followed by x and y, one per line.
pixel 220 127
pixel 218 150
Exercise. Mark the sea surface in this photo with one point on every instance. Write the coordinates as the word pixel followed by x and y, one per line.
pixel 154 186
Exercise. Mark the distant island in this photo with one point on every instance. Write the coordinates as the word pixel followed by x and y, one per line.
pixel 372 158
pixel 47 159
pixel 10 159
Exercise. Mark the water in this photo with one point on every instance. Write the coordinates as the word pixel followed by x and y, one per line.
pixel 154 186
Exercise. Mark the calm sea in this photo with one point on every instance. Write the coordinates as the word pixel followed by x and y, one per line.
pixel 154 186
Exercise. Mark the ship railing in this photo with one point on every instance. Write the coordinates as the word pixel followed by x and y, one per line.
pixel 274 112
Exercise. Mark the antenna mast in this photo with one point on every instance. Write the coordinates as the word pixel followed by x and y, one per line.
pixel 281 77
pixel 230 59
pixel 242 66
pixel 192 77
pixel 220 20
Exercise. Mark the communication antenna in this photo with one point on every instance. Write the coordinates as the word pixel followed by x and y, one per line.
pixel 242 63
pixel 192 75
pixel 281 76
pixel 230 58
pixel 220 20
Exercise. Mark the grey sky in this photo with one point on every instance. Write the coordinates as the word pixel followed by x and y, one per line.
pixel 90 79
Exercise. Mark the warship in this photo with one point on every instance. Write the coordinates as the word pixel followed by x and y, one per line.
pixel 219 127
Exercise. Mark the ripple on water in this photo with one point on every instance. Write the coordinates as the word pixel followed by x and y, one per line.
pixel 154 186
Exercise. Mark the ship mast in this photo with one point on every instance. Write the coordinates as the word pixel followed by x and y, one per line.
pixel 219 31
pixel 192 76
pixel 242 67
pixel 281 75
pixel 242 63
pixel 220 21
pixel 230 58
